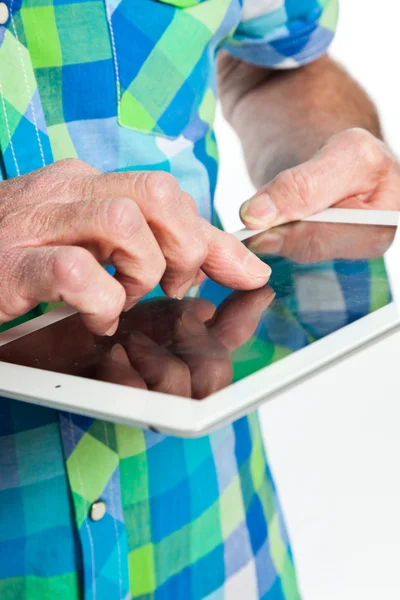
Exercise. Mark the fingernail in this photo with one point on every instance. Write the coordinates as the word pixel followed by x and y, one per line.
pixel 270 243
pixel 259 210
pixel 183 289
pixel 192 324
pixel 112 329
pixel 256 268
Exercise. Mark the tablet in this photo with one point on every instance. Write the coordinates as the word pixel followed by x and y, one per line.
pixel 186 367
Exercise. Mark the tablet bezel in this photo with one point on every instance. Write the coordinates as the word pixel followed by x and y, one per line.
pixel 179 416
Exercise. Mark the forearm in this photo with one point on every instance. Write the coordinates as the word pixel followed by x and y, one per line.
pixel 283 118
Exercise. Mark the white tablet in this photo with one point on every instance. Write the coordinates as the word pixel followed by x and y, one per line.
pixel 187 367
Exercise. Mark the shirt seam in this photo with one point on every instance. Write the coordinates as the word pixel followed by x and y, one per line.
pixel 27 84
pixel 7 123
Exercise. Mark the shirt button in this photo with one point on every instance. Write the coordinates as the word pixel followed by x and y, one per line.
pixel 4 13
pixel 97 510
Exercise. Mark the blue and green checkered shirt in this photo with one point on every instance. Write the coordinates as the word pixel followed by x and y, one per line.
pixel 131 85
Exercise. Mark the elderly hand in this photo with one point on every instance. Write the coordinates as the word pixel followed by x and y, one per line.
pixel 59 223
pixel 352 170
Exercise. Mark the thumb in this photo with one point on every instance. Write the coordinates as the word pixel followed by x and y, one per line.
pixel 349 164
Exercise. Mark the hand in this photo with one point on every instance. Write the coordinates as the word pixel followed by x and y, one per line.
pixel 308 242
pixel 59 223
pixel 183 348
pixel 352 170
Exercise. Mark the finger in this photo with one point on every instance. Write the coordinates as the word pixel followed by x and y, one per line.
pixel 206 356
pixel 71 275
pixel 115 231
pixel 230 263
pixel 116 368
pixel 313 242
pixel 186 241
pixel 161 371
pixel 352 163
pixel 238 317
pixel 171 215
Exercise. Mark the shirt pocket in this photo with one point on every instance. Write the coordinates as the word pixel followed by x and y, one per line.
pixel 163 54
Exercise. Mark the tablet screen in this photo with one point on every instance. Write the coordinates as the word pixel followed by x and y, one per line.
pixel 324 277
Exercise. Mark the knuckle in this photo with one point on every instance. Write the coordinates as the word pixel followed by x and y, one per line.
pixel 366 147
pixel 121 217
pixel 296 184
pixel 193 254
pixel 371 152
pixel 161 187
pixel 189 202
pixel 70 267
pixel 357 135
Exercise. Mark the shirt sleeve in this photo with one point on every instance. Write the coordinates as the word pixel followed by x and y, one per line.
pixel 283 34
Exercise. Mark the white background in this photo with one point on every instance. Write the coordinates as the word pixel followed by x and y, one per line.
pixel 337 460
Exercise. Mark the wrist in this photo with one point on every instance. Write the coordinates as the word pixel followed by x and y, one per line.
pixel 284 120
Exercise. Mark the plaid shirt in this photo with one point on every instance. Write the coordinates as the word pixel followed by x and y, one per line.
pixel 128 85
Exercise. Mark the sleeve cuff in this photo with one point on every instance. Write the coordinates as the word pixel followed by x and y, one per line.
pixel 288 46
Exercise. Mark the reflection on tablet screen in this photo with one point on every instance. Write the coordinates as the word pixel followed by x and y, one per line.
pixel 324 276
